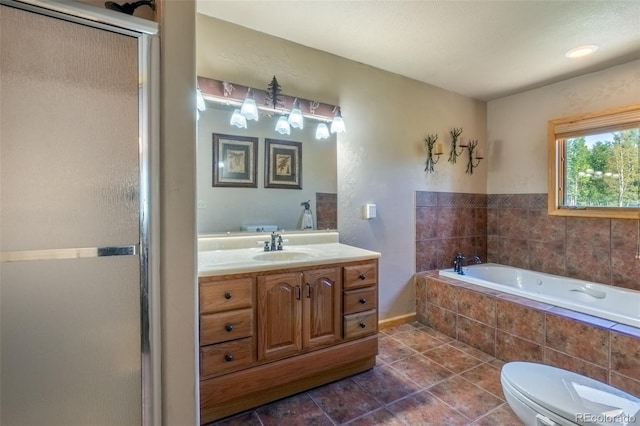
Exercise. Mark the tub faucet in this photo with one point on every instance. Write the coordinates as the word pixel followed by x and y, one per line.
pixel 460 258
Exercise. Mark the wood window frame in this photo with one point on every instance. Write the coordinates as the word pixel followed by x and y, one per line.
pixel 558 130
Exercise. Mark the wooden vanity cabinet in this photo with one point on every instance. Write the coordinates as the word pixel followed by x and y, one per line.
pixel 308 332
pixel 360 300
pixel 298 311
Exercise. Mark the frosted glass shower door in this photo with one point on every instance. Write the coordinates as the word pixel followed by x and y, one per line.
pixel 70 307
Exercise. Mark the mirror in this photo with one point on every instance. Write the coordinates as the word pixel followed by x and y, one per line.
pixel 233 209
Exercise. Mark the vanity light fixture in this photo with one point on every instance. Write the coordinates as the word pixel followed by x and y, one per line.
pixel 475 155
pixel 455 135
pixel 295 116
pixel 432 149
pixel 580 51
pixel 290 111
pixel 238 120
pixel 337 125
pixel 249 108
pixel 322 131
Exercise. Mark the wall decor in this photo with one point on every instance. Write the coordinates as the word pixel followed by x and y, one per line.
pixel 235 161
pixel 282 164
pixel 475 155
pixel 433 148
pixel 453 154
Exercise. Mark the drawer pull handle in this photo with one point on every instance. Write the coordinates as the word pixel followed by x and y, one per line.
pixel 228 327
pixel 362 300
pixel 362 276
pixel 228 357
pixel 362 324
pixel 228 295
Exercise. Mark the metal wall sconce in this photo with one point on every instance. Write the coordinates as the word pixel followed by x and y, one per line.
pixel 433 148
pixel 271 102
pixel 453 154
pixel 475 155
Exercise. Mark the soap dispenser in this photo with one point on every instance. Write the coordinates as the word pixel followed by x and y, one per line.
pixel 307 217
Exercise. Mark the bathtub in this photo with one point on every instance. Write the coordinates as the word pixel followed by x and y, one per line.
pixel 608 302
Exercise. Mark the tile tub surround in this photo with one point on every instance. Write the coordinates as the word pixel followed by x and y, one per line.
pixel 446 223
pixel 515 230
pixel 512 328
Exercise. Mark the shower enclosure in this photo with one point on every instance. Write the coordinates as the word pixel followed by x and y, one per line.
pixel 77 166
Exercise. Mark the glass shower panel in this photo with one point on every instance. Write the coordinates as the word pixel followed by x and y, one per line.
pixel 69 154
pixel 70 335
pixel 71 342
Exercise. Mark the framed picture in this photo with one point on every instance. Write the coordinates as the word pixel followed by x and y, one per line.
pixel 235 161
pixel 282 164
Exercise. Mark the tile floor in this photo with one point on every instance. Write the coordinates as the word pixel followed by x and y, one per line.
pixel 422 377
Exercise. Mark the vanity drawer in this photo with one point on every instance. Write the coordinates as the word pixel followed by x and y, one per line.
pixel 360 275
pixel 359 300
pixel 223 358
pixel 226 295
pixel 224 326
pixel 360 324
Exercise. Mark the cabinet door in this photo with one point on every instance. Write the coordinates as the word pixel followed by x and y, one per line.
pixel 321 307
pixel 279 315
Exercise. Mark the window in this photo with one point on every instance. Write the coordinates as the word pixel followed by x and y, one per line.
pixel 594 164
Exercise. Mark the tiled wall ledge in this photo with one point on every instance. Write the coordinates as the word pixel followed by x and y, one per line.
pixel 513 328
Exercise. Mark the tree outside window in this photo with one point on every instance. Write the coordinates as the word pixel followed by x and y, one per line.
pixel 603 170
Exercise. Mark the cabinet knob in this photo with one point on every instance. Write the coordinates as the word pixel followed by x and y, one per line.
pixel 228 357
pixel 362 300
pixel 362 276
pixel 362 324
pixel 228 295
pixel 228 327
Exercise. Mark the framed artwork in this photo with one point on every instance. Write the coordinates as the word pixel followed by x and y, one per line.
pixel 235 161
pixel 282 164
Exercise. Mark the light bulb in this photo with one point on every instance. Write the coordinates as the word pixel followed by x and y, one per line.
pixel 295 117
pixel 282 126
pixel 249 108
pixel 337 125
pixel 322 131
pixel 238 120
pixel 200 100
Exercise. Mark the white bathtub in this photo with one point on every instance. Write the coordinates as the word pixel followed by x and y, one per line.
pixel 604 301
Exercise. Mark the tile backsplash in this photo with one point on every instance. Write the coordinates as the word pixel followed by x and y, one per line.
pixel 515 229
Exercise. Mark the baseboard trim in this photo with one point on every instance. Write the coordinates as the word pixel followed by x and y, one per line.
pixel 401 319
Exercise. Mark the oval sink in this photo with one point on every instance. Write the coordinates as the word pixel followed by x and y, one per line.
pixel 283 256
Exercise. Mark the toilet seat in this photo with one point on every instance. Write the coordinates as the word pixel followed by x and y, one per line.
pixel 567 398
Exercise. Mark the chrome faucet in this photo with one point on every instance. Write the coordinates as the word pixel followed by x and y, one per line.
pixel 276 242
pixel 460 258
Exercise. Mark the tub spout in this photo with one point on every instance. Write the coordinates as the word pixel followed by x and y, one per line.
pixel 460 259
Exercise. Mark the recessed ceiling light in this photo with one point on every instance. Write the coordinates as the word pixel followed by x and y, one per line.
pixel 581 51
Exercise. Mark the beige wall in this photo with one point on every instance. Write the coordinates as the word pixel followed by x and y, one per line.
pixel 380 158
pixel 517 124
pixel 178 225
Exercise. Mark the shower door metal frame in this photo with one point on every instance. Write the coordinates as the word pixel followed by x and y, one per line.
pixel 146 32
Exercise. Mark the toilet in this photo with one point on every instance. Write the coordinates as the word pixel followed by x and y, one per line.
pixel 542 395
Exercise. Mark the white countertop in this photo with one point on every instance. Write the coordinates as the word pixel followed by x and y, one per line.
pixel 240 260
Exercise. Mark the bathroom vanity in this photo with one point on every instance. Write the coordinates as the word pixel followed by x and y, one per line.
pixel 279 322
